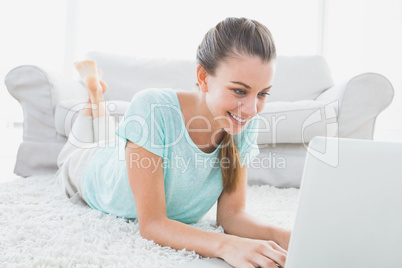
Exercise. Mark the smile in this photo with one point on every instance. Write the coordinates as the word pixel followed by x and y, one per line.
pixel 237 118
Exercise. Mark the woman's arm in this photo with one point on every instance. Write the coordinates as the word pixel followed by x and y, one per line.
pixel 147 185
pixel 234 219
pixel 178 235
pixel 244 224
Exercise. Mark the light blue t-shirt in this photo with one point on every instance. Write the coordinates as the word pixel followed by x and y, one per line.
pixel 192 178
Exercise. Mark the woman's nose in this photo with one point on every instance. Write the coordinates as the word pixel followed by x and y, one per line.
pixel 249 107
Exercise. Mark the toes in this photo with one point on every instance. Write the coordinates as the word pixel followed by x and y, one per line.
pixel 85 68
pixel 84 62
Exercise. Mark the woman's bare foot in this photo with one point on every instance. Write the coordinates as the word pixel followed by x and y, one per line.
pixel 92 78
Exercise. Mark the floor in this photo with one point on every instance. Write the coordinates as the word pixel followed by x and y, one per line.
pixel 11 137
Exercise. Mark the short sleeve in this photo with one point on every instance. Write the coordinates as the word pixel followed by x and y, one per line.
pixel 143 122
pixel 247 141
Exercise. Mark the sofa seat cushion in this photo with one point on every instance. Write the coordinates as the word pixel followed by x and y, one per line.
pixel 67 111
pixel 296 122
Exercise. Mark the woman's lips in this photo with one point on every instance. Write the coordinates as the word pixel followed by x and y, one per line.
pixel 236 121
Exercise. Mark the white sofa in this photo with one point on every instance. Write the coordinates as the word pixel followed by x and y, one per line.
pixel 304 103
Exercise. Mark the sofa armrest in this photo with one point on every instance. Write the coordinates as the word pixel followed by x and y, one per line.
pixel 358 102
pixel 38 91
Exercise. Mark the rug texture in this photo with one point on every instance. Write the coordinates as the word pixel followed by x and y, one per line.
pixel 40 227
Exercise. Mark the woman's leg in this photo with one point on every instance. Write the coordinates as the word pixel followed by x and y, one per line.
pixel 81 134
pixel 82 145
pixel 104 125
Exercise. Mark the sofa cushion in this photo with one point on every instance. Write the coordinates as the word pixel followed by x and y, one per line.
pixel 126 76
pixel 300 78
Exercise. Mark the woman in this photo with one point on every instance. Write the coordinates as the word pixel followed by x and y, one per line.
pixel 181 151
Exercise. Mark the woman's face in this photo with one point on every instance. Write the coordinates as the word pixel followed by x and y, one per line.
pixel 238 91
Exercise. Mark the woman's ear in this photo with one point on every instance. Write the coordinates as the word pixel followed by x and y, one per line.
pixel 202 78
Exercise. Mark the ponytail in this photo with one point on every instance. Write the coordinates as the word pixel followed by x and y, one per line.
pixel 230 160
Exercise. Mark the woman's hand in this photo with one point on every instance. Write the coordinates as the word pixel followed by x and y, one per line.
pixel 250 253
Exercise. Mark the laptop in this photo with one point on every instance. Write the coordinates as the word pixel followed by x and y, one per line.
pixel 350 207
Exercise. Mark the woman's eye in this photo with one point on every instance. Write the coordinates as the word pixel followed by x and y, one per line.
pixel 243 92
pixel 264 94
pixel 239 91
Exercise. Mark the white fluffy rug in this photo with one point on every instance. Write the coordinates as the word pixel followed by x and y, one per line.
pixel 39 227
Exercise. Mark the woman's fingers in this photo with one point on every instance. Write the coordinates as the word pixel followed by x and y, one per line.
pixel 264 262
pixel 243 252
pixel 278 248
pixel 274 253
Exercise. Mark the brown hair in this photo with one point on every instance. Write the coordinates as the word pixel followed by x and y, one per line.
pixel 234 37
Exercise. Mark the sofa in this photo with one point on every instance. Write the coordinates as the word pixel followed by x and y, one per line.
pixel 304 103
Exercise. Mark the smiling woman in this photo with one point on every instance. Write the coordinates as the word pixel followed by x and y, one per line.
pixel 236 49
pixel 165 199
